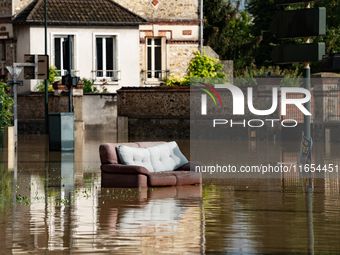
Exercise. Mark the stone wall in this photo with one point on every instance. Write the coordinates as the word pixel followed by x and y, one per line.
pixel 5 8
pixel 10 7
pixel 210 52
pixel 228 68
pixel 31 111
pixel 92 111
pixel 100 112
pixel 179 57
pixel 156 112
pixel 165 112
pixel 19 5
pixel 163 9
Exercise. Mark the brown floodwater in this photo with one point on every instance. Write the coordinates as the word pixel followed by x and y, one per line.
pixel 54 204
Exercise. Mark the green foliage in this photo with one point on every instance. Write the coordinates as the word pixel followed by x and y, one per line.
pixel 175 80
pixel 52 74
pixel 7 105
pixel 89 86
pixel 229 32
pixel 200 67
pixel 263 12
pixel 52 78
pixel 205 67
pixel 41 87
pixel 6 189
pixel 252 71
pixel 246 75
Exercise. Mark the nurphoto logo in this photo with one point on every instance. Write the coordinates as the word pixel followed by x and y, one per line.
pixel 238 103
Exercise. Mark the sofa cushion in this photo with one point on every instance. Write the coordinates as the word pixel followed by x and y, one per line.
pixel 166 157
pixel 159 158
pixel 107 152
pixel 135 156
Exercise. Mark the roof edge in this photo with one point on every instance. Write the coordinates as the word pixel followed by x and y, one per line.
pixel 81 22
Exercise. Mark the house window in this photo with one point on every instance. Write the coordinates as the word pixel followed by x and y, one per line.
pixel 61 54
pixel 3 50
pixel 105 63
pixel 154 58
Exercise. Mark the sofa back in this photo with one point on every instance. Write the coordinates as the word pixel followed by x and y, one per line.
pixel 108 153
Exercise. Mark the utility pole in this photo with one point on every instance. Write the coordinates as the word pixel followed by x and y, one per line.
pixel 70 70
pixel 46 81
pixel 201 26
pixel 306 76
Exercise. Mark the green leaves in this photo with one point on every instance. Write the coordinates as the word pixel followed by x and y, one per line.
pixel 200 67
pixel 7 105
pixel 52 78
pixel 205 67
pixel 229 31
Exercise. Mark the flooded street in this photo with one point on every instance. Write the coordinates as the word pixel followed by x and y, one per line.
pixel 54 204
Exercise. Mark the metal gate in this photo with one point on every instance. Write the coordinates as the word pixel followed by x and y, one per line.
pixel 332 106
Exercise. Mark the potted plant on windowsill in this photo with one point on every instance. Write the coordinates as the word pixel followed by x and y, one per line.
pixel 7 130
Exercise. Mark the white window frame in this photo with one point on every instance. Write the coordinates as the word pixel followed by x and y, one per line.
pixel 74 53
pixel 115 36
pixel 163 58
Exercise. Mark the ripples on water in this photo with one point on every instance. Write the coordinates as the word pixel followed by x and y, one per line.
pixel 68 212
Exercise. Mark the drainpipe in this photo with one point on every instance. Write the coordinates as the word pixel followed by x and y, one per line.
pixel 201 27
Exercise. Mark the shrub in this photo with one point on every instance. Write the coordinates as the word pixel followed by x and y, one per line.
pixel 246 75
pixel 7 105
pixel 51 79
pixel 200 67
pixel 89 86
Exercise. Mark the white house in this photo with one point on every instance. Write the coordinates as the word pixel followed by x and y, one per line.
pixel 118 42
pixel 104 37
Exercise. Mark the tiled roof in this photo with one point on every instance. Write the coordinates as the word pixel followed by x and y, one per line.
pixel 82 12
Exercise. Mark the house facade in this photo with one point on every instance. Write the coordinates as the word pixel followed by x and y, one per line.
pixel 104 40
pixel 115 43
pixel 168 41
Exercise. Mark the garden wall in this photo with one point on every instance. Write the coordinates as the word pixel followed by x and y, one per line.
pixel 31 111
pixel 100 112
pixel 156 112
pixel 96 112
pixel 165 112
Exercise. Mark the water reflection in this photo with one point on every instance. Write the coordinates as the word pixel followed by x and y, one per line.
pixel 57 206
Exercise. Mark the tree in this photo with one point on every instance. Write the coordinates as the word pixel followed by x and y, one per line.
pixel 229 31
pixel 332 37
pixel 263 12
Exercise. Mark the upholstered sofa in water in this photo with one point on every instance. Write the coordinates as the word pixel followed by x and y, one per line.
pixel 116 174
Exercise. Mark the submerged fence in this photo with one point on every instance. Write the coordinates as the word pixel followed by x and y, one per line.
pixel 292 112
pixel 332 106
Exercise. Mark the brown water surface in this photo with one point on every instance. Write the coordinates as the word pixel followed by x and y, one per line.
pixel 56 206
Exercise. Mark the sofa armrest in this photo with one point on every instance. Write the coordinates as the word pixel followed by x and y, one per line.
pixel 123 169
pixel 187 166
